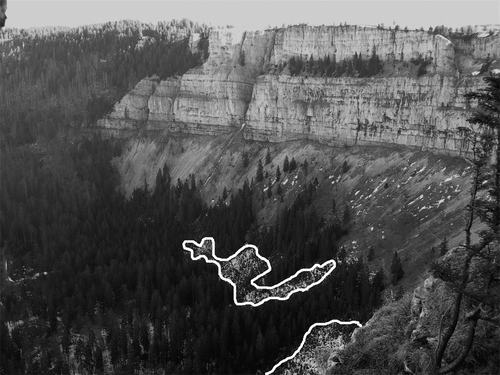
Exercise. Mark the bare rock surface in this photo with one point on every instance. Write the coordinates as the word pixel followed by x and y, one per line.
pixel 235 86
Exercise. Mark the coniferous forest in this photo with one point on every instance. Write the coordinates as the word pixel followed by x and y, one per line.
pixel 96 283
pixel 101 282
pixel 59 78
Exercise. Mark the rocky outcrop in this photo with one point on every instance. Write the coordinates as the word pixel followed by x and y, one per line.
pixel 482 46
pixel 161 103
pixel 428 112
pixel 231 89
pixel 132 111
pixel 405 333
pixel 304 41
pixel 220 91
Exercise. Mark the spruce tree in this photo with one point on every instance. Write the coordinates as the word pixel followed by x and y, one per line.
pixel 260 173
pixel 286 165
pixel 268 157
pixel 279 190
pixel 396 269
pixel 278 173
pixel 345 167
pixel 305 166
pixel 347 216
pixel 371 254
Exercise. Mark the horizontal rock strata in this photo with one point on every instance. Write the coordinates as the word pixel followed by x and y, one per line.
pixel 231 89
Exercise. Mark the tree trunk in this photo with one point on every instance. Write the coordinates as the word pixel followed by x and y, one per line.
pixel 474 316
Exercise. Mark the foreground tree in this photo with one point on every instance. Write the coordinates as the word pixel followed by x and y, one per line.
pixel 484 204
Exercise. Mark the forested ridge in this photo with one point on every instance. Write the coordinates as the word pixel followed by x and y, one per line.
pixel 54 79
pixel 101 283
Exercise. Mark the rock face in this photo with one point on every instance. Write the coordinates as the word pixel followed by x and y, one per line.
pixel 231 89
pixel 428 112
pixel 132 111
pixel 161 102
pixel 218 94
pixel 344 41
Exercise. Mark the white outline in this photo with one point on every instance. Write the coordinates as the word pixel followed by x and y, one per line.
pixel 269 268
pixel 252 282
pixel 305 337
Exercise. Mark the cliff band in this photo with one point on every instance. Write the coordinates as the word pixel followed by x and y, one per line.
pixel 243 82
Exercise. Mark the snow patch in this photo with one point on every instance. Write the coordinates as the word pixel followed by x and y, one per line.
pixel 421 196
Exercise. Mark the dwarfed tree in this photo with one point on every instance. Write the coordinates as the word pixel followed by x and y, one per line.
pixel 268 157
pixel 279 190
pixel 286 165
pixel 345 167
pixel 260 172
pixel 305 166
pixel 396 269
pixel 484 204
pixel 371 254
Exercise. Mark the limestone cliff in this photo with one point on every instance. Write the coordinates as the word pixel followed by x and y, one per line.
pixel 238 85
pixel 428 112
pixel 161 102
pixel 344 41
pixel 220 91
pixel 132 111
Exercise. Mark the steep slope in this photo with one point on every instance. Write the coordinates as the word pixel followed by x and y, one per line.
pixel 397 199
pixel 404 333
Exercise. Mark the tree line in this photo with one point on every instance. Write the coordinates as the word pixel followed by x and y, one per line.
pixel 329 67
